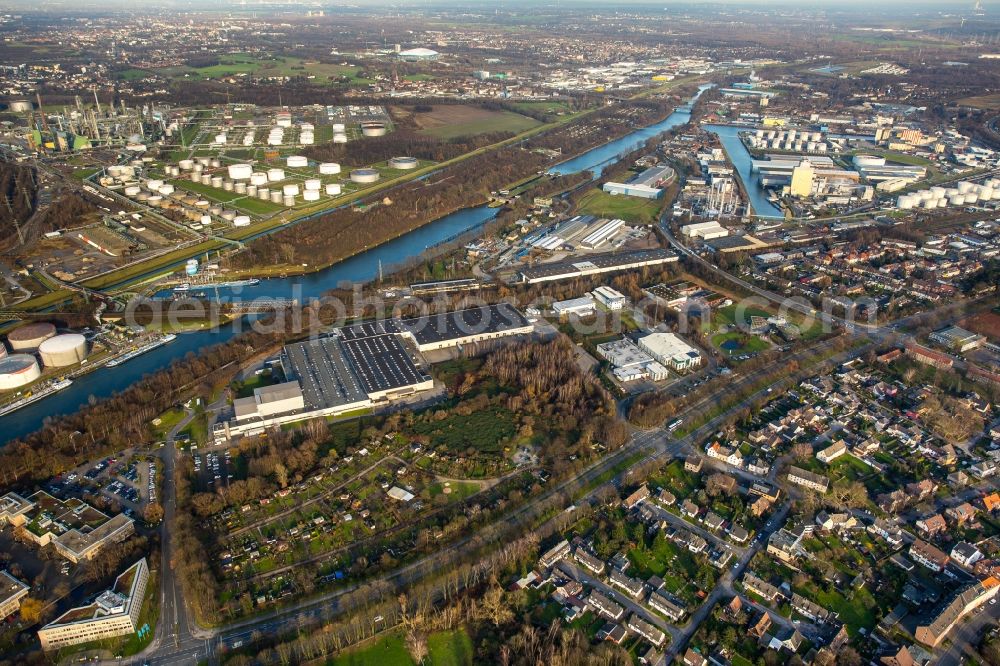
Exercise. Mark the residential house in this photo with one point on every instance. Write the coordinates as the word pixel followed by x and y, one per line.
pixel 832 452
pixel 646 630
pixel 633 586
pixel 612 632
pixel 966 554
pixel 762 626
pixel 961 514
pixel 589 561
pixel 760 587
pixel 932 525
pixel 813 611
pixel 891 533
pixel 928 555
pixel 554 554
pixel 604 606
pixel 808 479
pixel 638 496
pixel 964 602
pixel 693 463
pixel 664 604
pixel 836 521
pixel 692 658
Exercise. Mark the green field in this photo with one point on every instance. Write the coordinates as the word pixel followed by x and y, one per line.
pixel 502 121
pixel 631 209
pixel 389 651
pixel 450 648
pixel 242 63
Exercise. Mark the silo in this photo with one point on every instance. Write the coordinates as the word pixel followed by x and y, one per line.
pixel 312 184
pixel 263 193
pixel 240 171
pixel 364 175
pixel 227 185
pixel 290 190
pixel 929 203
pixel 258 178
pixel 276 196
pixel 306 139
pixel 166 189
pixel 307 127
pixel 964 186
pixel 339 138
pixel 938 192
pixel 206 220
pixel 311 195
pixel 18 370
pixel 904 202
pixel 942 203
pixel 251 190
pixel 195 176
pixel 957 200
pixel 206 179
pixel 187 165
pixel 142 197
pixel 63 350
pixel 132 190
pixel 154 185
pixel 29 336
pixel 228 215
pixel 202 204
pixel 220 138
pixel 971 197
pixel 155 201
pixel 403 163
pixel 215 210
pixel 216 181
pixel 240 187
pixel 216 162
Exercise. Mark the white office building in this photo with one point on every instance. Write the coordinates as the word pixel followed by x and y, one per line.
pixel 671 350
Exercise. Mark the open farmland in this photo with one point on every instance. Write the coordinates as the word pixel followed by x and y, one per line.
pixel 453 120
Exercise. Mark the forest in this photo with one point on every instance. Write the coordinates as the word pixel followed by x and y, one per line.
pixel 18 194
pixel 401 142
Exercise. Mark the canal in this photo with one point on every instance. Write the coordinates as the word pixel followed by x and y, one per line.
pixel 359 268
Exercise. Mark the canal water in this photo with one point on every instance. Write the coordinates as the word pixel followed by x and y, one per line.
pixel 359 268
pixel 740 157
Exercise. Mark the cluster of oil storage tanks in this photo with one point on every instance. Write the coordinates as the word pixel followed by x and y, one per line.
pixel 793 140
pixel 21 366
pixel 963 194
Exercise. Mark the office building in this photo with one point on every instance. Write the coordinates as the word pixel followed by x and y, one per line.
pixel 11 592
pixel 115 612
pixel 671 350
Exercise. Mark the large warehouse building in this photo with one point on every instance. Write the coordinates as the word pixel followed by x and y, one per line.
pixel 365 365
pixel 594 264
pixel 671 350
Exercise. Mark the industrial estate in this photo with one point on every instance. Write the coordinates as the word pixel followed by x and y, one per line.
pixel 444 334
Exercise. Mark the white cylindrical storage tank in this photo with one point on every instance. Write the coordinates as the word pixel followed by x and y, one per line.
pixel 115 171
pixel 929 203
pixel 313 184
pixel 215 210
pixel 297 161
pixel 307 127
pixel 288 201
pixel 132 190
pixel 925 195
pixel 202 203
pixel 206 220
pixel 333 189
pixel 290 190
pixel 258 178
pixel 228 215
pixel 273 140
pixel 904 202
pixel 174 171
pixel 216 162
pixel 938 191
pixel 195 176
pixel 220 138
pixel 276 196
pixel 155 201
pixel 198 167
pixel 339 138
pixel 142 196
pixel 248 139
pixel 216 181
pixel 241 221
pixel 329 168
pixel 403 163
pixel 166 190
pixel 204 161
pixel 306 139
pixel 364 175
pixel 29 336
pixel 311 195
pixel 971 197
pixel 996 194
pixel 18 370
pixel 154 185
pixel 964 186
pixel 957 200
pixel 240 171
pixel 759 133
pixel 275 175
pixel 942 203
pixel 240 188
pixel 251 190
pixel 227 185
pixel 63 350
pixel 339 127
pixel 263 193
pixel 186 165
